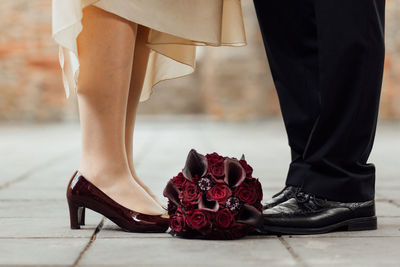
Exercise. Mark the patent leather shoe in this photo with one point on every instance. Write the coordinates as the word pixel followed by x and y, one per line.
pixel 307 214
pixel 82 194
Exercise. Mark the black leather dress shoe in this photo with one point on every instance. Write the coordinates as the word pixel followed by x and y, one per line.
pixel 306 214
pixel 284 195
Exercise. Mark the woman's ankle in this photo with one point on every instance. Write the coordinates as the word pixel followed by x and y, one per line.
pixel 104 175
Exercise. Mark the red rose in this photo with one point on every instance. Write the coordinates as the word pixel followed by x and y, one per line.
pixel 247 168
pixel 220 193
pixel 224 218
pixel 214 157
pixel 177 222
pixel 197 219
pixel 259 190
pixel 179 181
pixel 190 194
pixel 216 166
pixel 217 169
pixel 247 192
pixel 257 187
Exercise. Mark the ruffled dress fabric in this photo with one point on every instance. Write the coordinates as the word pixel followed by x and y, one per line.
pixel 176 28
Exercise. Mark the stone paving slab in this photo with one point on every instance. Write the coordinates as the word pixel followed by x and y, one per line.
pixel 40 251
pixel 40 226
pixel 354 251
pixel 391 193
pixel 33 208
pixel 34 148
pixel 21 191
pixel 385 209
pixel 174 251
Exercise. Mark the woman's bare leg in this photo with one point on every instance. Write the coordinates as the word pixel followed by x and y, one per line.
pixel 138 73
pixel 106 51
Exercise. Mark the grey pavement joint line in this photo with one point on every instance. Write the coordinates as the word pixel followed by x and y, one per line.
pixel 29 172
pixel 92 239
pixel 294 255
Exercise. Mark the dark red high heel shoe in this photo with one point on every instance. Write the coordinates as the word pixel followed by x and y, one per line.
pixel 83 194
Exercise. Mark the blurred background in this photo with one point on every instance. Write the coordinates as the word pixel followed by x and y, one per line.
pixel 229 83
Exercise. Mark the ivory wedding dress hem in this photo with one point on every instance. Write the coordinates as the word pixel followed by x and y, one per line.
pixel 176 28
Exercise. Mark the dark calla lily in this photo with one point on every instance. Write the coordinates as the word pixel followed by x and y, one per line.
pixel 243 157
pixel 234 172
pixel 172 193
pixel 210 205
pixel 196 164
pixel 250 215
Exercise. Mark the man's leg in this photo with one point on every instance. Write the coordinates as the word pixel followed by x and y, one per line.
pixel 327 61
pixel 351 59
pixel 290 37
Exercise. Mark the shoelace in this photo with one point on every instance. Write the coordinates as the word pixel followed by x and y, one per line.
pixel 305 198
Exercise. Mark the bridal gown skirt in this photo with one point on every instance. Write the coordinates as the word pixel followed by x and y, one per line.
pixel 176 28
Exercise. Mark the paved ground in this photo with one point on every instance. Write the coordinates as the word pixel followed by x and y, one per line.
pixel 36 162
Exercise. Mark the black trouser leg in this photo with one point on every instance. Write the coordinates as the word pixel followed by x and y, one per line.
pixel 326 59
pixel 290 38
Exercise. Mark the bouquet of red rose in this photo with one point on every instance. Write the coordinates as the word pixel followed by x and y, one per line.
pixel 214 197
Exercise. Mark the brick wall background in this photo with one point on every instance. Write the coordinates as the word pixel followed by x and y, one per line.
pixel 230 83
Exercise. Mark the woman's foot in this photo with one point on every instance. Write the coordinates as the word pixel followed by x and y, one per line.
pixel 123 189
pixel 148 190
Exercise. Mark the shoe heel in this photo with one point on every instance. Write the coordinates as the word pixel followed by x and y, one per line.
pixel 83 216
pixel 76 215
pixel 360 224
